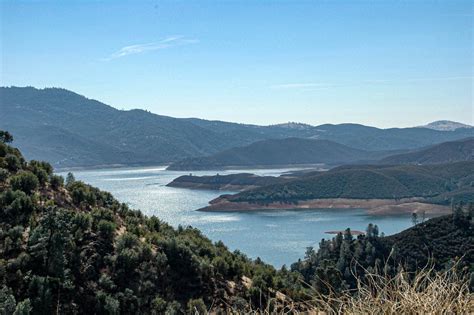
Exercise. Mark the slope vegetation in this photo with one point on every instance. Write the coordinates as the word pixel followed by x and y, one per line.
pixel 453 151
pixel 68 129
pixel 339 263
pixel 434 183
pixel 237 182
pixel 69 248
pixel 278 152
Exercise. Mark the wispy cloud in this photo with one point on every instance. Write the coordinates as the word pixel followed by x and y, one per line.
pixel 168 42
pixel 288 86
pixel 309 86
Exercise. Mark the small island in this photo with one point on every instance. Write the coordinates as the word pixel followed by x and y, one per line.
pixel 231 182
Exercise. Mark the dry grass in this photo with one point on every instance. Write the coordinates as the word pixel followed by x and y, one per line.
pixel 427 292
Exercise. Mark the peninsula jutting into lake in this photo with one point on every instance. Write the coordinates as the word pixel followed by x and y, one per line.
pixel 236 157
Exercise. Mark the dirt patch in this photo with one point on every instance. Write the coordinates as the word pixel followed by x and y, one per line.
pixel 373 206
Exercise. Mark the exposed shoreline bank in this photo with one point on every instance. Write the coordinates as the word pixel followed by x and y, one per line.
pixel 372 206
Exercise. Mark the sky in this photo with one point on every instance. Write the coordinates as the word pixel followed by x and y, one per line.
pixel 379 63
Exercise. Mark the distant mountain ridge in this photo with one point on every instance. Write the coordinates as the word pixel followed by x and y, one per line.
pixel 279 152
pixel 452 151
pixel 69 130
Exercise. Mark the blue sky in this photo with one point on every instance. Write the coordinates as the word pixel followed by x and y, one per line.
pixel 381 63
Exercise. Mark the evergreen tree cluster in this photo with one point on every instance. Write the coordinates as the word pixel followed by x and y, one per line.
pixel 439 243
pixel 69 248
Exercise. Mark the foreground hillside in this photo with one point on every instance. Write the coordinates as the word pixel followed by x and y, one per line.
pixel 68 129
pixel 396 274
pixel 452 151
pixel 396 188
pixel 279 152
pixel 69 248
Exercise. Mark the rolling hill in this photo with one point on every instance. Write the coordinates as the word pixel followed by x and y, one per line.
pixel 452 151
pixel 68 129
pixel 232 182
pixel 389 188
pixel 278 152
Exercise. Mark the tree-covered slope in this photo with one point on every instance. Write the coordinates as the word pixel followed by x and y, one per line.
pixel 373 182
pixel 68 129
pixel 274 152
pixel 452 151
pixel 69 248
pixel 239 181
pixel 438 243
pixel 74 130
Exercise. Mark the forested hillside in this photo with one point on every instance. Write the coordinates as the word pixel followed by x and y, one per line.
pixel 68 129
pixel 452 151
pixel 279 152
pixel 440 183
pixel 69 248
pixel 239 181
pixel 438 243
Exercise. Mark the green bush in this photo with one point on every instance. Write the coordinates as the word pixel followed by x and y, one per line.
pixel 197 307
pixel 24 181
pixel 56 181
pixel 13 163
pixel 3 174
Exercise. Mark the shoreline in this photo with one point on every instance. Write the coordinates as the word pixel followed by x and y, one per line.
pixel 199 186
pixel 372 206
pixel 316 166
pixel 106 167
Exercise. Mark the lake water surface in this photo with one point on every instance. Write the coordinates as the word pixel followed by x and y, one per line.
pixel 278 237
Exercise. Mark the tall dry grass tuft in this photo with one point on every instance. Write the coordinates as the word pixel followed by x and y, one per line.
pixel 426 292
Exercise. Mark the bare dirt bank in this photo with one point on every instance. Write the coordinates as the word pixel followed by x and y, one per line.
pixel 373 206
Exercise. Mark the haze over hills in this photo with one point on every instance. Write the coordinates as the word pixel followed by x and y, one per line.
pixel 68 130
pixel 279 152
pixel 452 151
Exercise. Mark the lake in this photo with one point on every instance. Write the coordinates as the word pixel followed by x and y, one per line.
pixel 277 237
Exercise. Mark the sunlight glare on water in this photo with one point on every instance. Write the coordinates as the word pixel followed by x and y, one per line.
pixel 278 236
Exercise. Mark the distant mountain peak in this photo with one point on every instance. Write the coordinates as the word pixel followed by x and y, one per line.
pixel 294 125
pixel 446 125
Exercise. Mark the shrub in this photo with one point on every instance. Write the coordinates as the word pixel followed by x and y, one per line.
pixel 24 181
pixel 56 181
pixel 42 170
pixel 197 306
pixel 5 137
pixel 158 306
pixel 3 174
pixel 13 163
pixel 3 149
